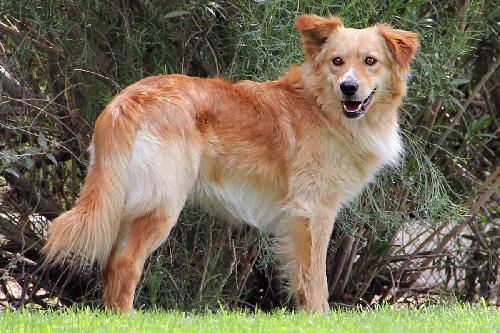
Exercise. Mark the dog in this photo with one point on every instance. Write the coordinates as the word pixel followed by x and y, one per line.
pixel 283 156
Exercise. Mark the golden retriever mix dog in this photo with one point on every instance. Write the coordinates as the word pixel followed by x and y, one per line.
pixel 283 156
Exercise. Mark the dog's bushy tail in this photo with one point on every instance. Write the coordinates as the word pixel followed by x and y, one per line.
pixel 89 230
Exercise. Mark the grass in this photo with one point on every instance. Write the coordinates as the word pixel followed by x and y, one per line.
pixel 441 318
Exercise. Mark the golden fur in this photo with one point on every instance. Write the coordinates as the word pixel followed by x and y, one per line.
pixel 280 155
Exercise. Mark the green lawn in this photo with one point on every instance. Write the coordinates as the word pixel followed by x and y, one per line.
pixel 443 318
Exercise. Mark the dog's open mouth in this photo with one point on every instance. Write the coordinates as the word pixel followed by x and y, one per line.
pixel 355 109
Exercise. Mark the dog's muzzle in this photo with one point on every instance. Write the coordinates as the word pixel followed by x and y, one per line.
pixel 355 109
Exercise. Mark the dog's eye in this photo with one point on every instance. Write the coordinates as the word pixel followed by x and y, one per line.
pixel 370 61
pixel 337 61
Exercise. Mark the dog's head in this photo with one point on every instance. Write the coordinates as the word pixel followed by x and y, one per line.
pixel 354 69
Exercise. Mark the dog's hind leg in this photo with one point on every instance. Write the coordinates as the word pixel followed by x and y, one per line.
pixel 124 266
pixel 303 252
pixel 161 174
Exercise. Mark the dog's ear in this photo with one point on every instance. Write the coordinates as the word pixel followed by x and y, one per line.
pixel 403 44
pixel 315 31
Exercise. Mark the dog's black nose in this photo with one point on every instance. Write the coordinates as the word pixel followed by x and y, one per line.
pixel 349 88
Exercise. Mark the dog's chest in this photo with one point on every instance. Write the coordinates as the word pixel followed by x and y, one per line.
pixel 343 174
pixel 346 167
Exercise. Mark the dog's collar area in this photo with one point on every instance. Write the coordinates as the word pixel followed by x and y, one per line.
pixel 355 109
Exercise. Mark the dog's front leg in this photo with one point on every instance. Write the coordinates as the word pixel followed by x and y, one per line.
pixel 304 250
